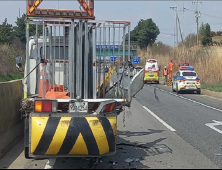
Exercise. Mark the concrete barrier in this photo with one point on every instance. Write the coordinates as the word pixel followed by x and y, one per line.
pixel 11 125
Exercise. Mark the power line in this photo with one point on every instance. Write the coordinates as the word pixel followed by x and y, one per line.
pixel 173 35
pixel 168 34
pixel 216 17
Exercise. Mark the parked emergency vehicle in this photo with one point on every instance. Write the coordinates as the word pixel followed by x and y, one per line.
pixel 186 79
pixel 151 71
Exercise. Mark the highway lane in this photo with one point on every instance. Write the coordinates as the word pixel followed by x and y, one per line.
pixel 188 114
pixel 208 100
pixel 141 136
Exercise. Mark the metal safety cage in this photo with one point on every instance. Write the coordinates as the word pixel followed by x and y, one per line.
pixel 74 53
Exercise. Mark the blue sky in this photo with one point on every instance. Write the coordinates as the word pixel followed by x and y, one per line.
pixel 133 11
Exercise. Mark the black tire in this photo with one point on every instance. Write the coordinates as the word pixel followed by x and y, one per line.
pixel 199 92
pixel 173 89
pixel 158 82
pixel 27 153
pixel 178 92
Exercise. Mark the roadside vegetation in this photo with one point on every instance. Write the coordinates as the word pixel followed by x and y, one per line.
pixel 207 61
pixel 206 58
pixel 12 43
pixel 8 53
pixel 212 87
pixel 13 76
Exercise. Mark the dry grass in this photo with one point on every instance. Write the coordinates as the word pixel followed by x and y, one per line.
pixel 217 38
pixel 207 61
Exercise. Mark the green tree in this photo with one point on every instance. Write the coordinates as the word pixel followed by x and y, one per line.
pixel 20 29
pixel 6 33
pixel 207 37
pixel 202 30
pixel 145 33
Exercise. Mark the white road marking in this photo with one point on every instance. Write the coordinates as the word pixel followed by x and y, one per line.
pixel 160 120
pixel 212 126
pixel 193 101
pixel 50 164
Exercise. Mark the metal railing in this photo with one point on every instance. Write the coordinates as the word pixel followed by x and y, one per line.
pixel 68 53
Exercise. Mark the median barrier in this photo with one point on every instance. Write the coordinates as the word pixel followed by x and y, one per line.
pixel 11 125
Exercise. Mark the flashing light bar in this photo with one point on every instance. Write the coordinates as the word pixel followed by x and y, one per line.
pixel 151 61
pixel 190 68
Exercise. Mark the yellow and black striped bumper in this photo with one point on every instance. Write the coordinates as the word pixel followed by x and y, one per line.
pixel 72 136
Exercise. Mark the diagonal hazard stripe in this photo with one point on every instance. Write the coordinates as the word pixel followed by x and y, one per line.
pixel 47 136
pixel 59 136
pixel 109 133
pixel 80 147
pixel 79 126
pixel 99 134
pixel 113 123
pixel 38 127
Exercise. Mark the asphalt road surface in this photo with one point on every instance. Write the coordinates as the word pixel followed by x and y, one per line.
pixel 161 130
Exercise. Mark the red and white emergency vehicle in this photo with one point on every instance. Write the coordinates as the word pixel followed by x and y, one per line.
pixel 152 71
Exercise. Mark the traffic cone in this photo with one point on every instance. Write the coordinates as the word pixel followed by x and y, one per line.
pixel 46 83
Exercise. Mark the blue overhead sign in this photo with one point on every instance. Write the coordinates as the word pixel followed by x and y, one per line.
pixel 135 60
pixel 112 59
pixel 107 47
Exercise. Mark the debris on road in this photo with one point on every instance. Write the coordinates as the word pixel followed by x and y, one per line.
pixel 113 163
pixel 129 160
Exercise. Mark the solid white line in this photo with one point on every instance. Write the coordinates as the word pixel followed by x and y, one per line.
pixel 160 120
pixel 50 164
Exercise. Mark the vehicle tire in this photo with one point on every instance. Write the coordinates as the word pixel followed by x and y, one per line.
pixel 27 153
pixel 158 82
pixel 199 92
pixel 173 89
pixel 177 90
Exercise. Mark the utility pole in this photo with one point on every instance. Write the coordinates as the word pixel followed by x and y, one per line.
pixel 58 5
pixel 184 9
pixel 174 36
pixel 175 8
pixel 197 16
pixel 180 28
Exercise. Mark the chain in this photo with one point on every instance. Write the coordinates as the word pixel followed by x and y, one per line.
pixel 124 116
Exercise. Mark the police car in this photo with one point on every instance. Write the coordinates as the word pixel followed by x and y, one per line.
pixel 186 79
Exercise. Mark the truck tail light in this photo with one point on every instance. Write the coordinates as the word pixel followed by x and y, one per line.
pixel 45 106
pixel 38 106
pixel 109 107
